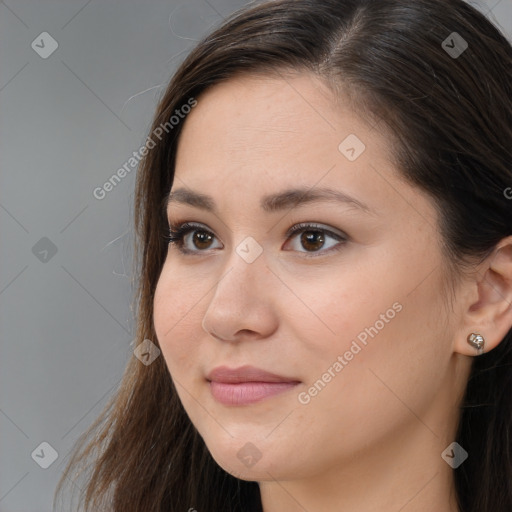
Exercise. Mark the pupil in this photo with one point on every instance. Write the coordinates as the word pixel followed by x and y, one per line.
pixel 201 237
pixel 309 237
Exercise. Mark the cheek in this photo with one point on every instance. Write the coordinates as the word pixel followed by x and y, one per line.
pixel 382 315
pixel 397 370
pixel 176 319
pixel 329 312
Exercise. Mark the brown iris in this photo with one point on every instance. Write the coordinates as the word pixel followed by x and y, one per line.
pixel 312 237
pixel 201 237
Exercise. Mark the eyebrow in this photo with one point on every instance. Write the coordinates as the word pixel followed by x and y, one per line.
pixel 274 202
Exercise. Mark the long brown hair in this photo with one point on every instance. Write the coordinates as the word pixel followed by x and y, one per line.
pixel 451 118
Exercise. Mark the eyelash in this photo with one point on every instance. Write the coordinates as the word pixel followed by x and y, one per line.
pixel 178 231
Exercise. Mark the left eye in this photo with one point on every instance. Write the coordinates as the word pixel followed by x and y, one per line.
pixel 313 237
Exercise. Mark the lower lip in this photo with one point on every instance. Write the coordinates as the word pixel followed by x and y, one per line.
pixel 245 393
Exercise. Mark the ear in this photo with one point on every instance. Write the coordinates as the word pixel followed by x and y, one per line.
pixel 488 309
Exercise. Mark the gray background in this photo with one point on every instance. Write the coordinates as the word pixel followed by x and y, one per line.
pixel 67 123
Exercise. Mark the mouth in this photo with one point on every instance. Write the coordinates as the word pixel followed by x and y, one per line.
pixel 246 385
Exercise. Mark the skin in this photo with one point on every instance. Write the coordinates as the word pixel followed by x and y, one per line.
pixel 372 438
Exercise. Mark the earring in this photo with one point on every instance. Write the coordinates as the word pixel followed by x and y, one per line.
pixel 477 341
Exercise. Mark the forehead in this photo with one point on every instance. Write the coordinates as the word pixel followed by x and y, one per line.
pixel 295 104
pixel 272 123
pixel 254 136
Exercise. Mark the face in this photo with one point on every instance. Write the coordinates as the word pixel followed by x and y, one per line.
pixel 346 311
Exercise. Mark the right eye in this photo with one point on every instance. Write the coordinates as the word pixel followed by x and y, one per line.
pixel 178 236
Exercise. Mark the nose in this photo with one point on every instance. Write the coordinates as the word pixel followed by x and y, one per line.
pixel 243 304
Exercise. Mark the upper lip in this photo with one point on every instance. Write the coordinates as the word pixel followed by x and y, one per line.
pixel 245 374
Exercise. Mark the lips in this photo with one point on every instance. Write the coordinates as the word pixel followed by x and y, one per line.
pixel 247 373
pixel 246 385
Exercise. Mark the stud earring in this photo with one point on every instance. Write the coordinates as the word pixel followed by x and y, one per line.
pixel 477 341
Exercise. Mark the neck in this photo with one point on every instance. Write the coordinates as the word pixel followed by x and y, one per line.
pixel 404 473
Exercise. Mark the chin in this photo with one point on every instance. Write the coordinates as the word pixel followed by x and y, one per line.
pixel 260 471
pixel 243 460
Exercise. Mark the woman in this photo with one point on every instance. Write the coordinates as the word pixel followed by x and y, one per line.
pixel 325 236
